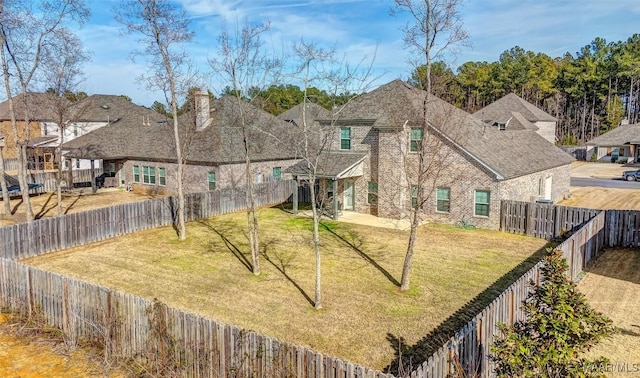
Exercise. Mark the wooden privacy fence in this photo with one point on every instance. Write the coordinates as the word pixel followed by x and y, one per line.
pixel 542 220
pixel 468 349
pixel 623 228
pixel 52 234
pixel 130 326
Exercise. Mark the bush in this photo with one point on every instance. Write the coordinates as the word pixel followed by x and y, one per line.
pixel 623 160
pixel 559 326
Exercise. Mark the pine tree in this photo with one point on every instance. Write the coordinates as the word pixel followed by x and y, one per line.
pixel 559 327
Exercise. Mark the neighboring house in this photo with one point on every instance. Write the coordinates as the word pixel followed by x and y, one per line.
pixel 142 153
pixel 85 116
pixel 90 114
pixel 39 110
pixel 370 166
pixel 513 113
pixel 619 144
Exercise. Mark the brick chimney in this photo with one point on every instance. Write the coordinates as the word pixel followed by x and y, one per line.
pixel 203 119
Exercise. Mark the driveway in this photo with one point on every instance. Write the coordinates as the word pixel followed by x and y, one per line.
pixel 600 186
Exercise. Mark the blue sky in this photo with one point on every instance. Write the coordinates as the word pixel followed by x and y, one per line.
pixel 358 29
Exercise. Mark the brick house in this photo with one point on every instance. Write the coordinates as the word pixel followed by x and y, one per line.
pixel 370 164
pixel 141 150
pixel 512 113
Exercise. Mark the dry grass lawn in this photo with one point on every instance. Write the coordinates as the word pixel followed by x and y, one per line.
pixel 363 308
pixel 604 198
pixel 612 286
pixel 46 205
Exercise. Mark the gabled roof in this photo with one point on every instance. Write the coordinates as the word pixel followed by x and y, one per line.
pixel 620 136
pixel 150 138
pixel 504 154
pixel 39 106
pixel 312 110
pixel 335 164
pixel 109 108
pixel 502 110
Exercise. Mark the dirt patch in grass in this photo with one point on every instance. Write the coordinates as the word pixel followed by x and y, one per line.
pixel 363 308
pixel 41 356
pixel 612 286
pixel 46 205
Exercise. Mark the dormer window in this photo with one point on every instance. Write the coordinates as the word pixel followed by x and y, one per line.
pixel 502 126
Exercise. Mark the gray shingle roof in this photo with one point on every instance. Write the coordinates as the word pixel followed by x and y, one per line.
pixel 509 154
pixel 220 142
pixel 39 105
pixel 502 110
pixel 621 135
pixel 330 163
pixel 313 112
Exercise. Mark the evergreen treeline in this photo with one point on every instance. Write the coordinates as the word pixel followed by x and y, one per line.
pixel 589 93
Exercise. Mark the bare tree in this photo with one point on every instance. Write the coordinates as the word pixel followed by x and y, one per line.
pixel 6 209
pixel 434 27
pixel 320 68
pixel 63 76
pixel 245 65
pixel 163 28
pixel 30 31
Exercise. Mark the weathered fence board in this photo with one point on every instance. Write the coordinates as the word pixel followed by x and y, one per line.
pixel 132 326
pixel 469 347
pixel 35 238
pixel 542 220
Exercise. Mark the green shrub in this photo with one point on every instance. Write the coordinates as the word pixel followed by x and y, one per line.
pixel 559 326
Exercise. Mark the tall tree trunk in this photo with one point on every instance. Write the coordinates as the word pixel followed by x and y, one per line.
pixel 6 208
pixel 59 177
pixel 23 169
pixel 630 101
pixel 316 244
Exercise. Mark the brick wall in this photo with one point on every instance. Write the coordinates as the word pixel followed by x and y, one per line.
pixel 196 176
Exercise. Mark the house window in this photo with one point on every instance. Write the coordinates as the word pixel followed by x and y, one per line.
pixel 149 175
pixel 277 173
pixel 481 203
pixel 330 187
pixel 211 178
pixel 345 138
pixel 414 196
pixel 75 130
pixel 416 139
pixel 443 198
pixel 112 169
pixel 77 163
pixel 502 126
pixel 540 186
pixel 372 197
pixel 136 173
pixel 162 176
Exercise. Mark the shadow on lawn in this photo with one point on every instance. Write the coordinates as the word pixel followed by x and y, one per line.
pixel 220 231
pixel 409 357
pixel 278 260
pixel 356 245
pixel 281 262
